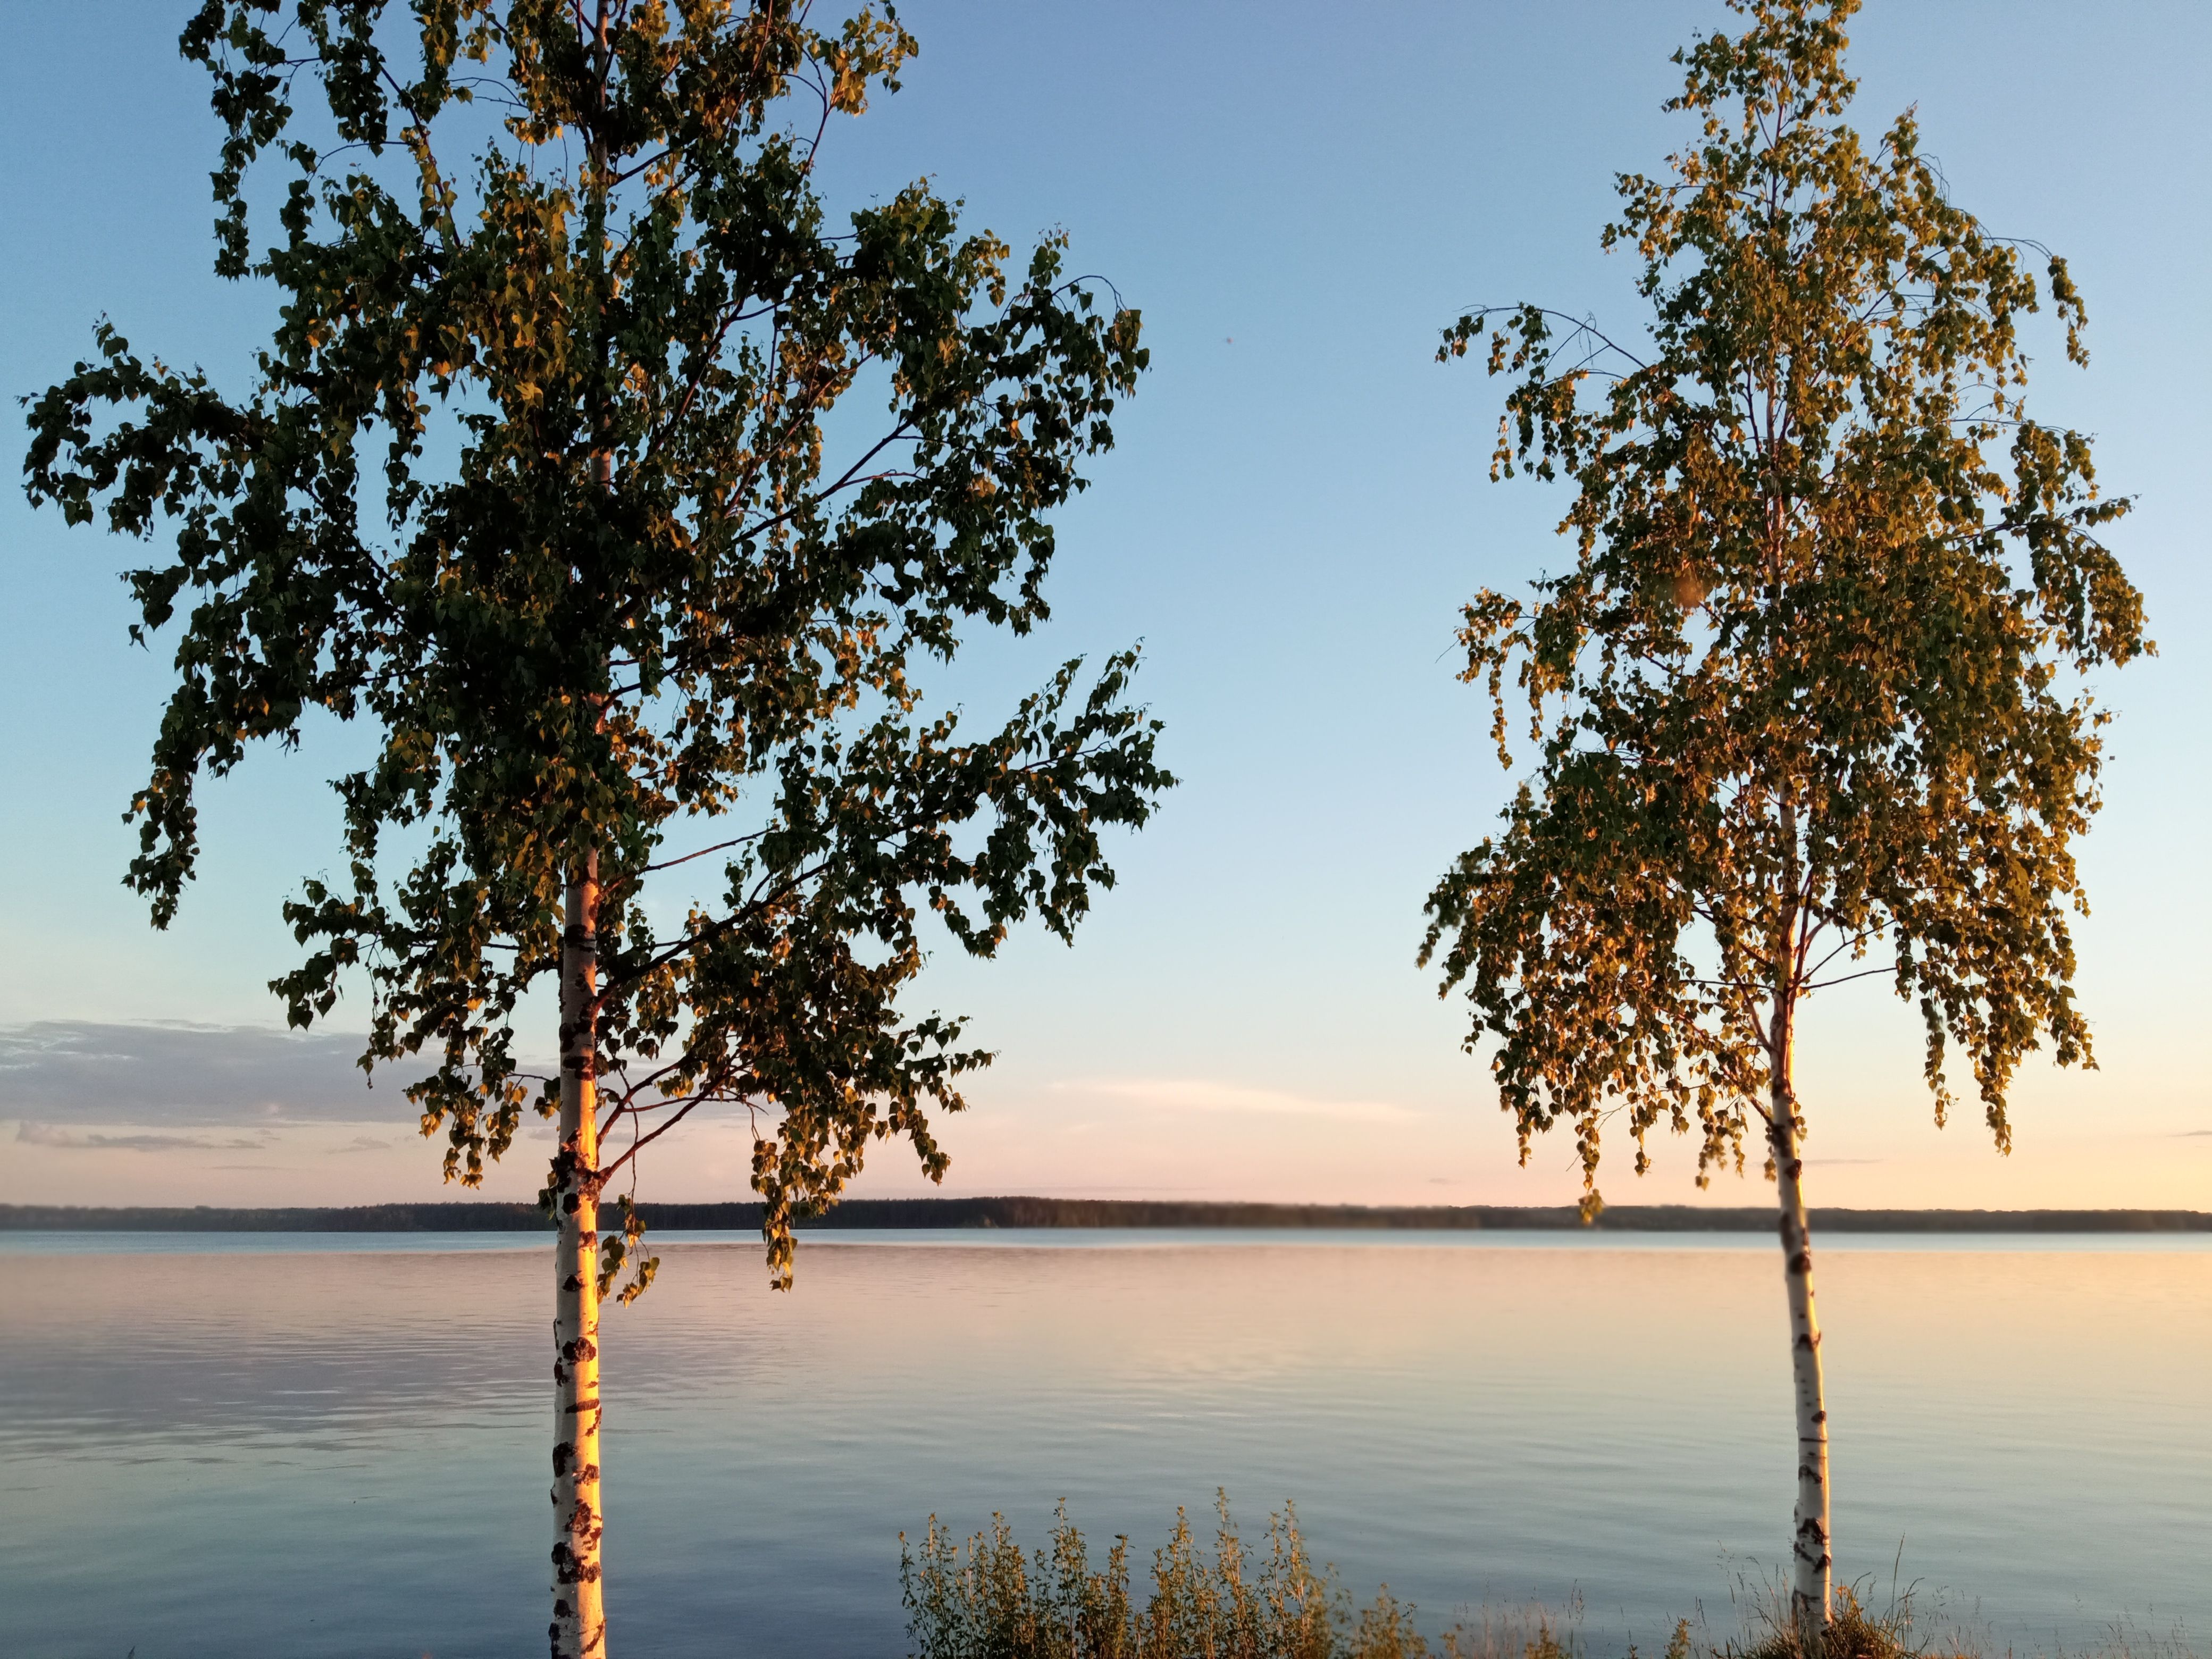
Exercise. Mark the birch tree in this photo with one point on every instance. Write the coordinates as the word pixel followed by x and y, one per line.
pixel 1811 700
pixel 558 471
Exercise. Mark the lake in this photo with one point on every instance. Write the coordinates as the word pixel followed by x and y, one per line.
pixel 293 1445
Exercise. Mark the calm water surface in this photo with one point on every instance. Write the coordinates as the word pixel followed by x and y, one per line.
pixel 302 1445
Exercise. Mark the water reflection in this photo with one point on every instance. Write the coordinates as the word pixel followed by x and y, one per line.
pixel 256 1452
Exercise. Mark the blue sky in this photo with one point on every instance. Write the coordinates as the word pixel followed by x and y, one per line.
pixel 1298 196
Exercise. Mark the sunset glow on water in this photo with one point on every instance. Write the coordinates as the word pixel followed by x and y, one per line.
pixel 254 1472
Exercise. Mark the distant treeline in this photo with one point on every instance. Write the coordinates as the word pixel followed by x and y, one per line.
pixel 874 1212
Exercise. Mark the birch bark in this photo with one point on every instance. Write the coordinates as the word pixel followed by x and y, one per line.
pixel 1811 1564
pixel 578 1629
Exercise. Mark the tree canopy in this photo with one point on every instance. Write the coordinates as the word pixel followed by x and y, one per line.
pixel 1815 683
pixel 557 471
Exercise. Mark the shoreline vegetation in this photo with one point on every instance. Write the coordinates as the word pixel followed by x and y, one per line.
pixel 877 1213
pixel 985 1599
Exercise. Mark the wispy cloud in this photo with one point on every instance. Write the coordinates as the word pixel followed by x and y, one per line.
pixel 85 1071
pixel 44 1134
pixel 2192 1134
pixel 1195 1094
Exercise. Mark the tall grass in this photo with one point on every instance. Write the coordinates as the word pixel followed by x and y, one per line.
pixel 985 1599
pixel 1852 1632
pixel 1907 1629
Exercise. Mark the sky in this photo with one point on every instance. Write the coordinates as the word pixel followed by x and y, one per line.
pixel 1298 196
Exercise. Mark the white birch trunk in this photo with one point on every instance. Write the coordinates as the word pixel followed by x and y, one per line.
pixel 1811 1565
pixel 578 1629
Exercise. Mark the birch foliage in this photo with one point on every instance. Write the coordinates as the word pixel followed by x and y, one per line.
pixel 620 486
pixel 1812 699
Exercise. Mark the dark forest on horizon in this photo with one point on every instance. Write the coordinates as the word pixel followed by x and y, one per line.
pixel 1032 1211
